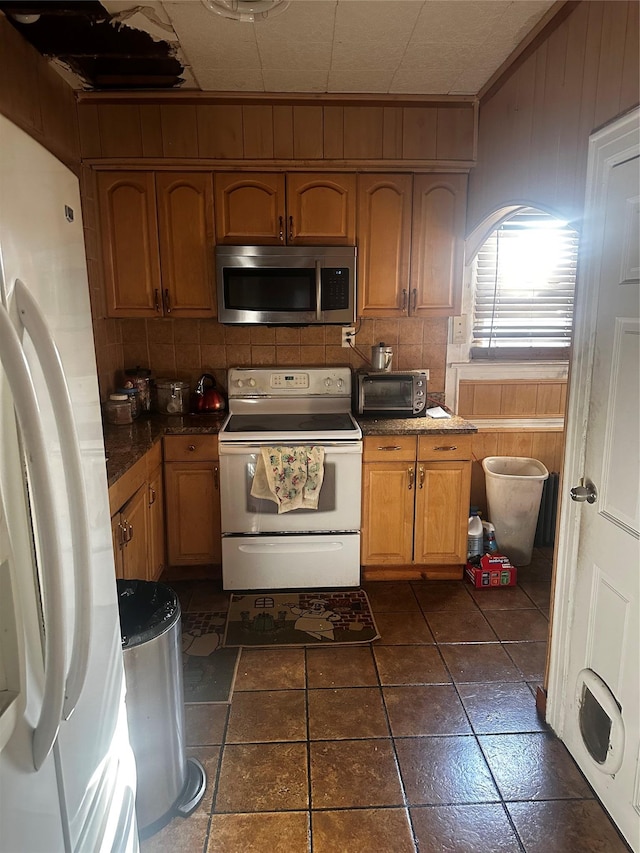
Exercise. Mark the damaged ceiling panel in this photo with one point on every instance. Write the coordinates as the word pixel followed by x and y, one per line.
pixel 104 46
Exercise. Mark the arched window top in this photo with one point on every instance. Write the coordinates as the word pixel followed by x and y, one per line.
pixel 524 280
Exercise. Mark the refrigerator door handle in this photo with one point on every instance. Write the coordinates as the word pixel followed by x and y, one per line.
pixel 33 321
pixel 20 382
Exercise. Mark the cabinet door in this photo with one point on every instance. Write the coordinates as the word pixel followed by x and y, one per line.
pixel 193 513
pixel 321 209
pixel 117 535
pixel 384 244
pixel 250 208
pixel 437 255
pixel 442 510
pixel 185 228
pixel 388 490
pixel 127 205
pixel 155 504
pixel 135 550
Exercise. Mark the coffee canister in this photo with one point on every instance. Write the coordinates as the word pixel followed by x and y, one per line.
pixel 173 396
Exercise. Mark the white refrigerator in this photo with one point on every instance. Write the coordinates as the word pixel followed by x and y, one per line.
pixel 67 772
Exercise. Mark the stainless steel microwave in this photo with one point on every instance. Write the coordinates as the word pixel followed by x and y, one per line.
pixel 391 394
pixel 286 285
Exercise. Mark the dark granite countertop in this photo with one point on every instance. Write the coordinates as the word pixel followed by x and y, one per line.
pixel 415 426
pixel 128 443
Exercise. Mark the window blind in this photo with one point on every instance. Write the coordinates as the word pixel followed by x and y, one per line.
pixel 524 285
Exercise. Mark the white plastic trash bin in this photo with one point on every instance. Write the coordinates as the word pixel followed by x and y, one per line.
pixel 514 489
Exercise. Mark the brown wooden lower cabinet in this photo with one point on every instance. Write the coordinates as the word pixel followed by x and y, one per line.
pixel 415 506
pixel 137 519
pixel 192 500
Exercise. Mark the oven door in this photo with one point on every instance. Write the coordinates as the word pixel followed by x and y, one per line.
pixel 338 505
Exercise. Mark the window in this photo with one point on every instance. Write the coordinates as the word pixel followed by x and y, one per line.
pixel 525 276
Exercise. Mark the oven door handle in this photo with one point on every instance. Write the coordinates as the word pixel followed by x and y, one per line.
pixel 237 448
pixel 290 547
pixel 319 290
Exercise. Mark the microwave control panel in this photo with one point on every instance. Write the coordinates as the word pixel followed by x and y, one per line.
pixel 335 288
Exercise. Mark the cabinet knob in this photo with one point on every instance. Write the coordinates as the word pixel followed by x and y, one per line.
pixel 192 447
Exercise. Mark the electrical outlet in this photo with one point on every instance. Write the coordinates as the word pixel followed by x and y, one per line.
pixel 348 334
pixel 458 330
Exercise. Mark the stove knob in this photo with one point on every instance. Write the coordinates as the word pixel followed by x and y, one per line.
pixel 340 383
pixel 239 383
pixel 252 383
pixel 328 382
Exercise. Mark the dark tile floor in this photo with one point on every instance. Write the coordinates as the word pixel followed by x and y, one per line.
pixel 424 742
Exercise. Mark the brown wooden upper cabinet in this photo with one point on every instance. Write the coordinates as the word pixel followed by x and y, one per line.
pixel 300 208
pixel 157 243
pixel 410 244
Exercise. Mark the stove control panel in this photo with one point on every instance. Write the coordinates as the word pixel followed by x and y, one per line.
pixel 303 382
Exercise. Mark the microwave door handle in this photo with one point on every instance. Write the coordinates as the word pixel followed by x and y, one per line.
pixel 319 290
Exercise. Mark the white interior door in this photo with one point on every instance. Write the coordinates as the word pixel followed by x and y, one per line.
pixel 594 697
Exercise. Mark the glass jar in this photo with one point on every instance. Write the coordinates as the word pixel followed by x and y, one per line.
pixel 118 409
pixel 173 396
pixel 140 378
pixel 133 396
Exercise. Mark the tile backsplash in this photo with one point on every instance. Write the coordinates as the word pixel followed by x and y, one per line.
pixel 184 349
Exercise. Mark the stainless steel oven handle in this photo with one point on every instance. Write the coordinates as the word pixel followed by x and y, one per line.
pixel 318 289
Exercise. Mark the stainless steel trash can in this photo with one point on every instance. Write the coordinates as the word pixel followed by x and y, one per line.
pixel 168 782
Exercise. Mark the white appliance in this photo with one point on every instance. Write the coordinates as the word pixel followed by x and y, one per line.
pixel 302 548
pixel 67 772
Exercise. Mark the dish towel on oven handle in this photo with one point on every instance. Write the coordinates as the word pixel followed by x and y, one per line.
pixel 291 477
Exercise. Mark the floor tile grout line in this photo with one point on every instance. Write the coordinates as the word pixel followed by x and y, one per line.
pixel 308 729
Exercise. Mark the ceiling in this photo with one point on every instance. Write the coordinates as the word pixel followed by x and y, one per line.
pixel 421 47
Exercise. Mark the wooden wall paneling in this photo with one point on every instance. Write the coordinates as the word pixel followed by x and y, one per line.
pixel 220 131
pixel 518 443
pixel 120 131
pixel 363 133
pixel 257 131
pixel 611 61
pixel 19 89
pixel 89 129
pixel 333 133
pixel 151 130
pixel 487 399
pixel 392 127
pixel 283 132
pixel 519 399
pixel 547 448
pixel 465 399
pixel 307 133
pixel 550 398
pixel 629 94
pixel 569 158
pixel 419 132
pixel 179 130
pixel 554 187
pixel 483 444
pixel 454 133
pixel 523 115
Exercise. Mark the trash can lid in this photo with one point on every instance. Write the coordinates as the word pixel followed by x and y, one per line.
pixel 147 610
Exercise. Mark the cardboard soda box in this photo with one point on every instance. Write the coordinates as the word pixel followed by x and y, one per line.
pixel 490 571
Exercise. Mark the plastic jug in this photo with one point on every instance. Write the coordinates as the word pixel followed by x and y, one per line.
pixel 474 536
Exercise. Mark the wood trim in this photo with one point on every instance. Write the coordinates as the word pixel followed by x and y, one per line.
pixel 550 21
pixel 306 165
pixel 301 98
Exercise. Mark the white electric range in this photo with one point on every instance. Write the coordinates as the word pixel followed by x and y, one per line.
pixel 302 548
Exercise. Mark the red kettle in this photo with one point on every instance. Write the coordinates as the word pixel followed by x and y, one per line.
pixel 206 397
